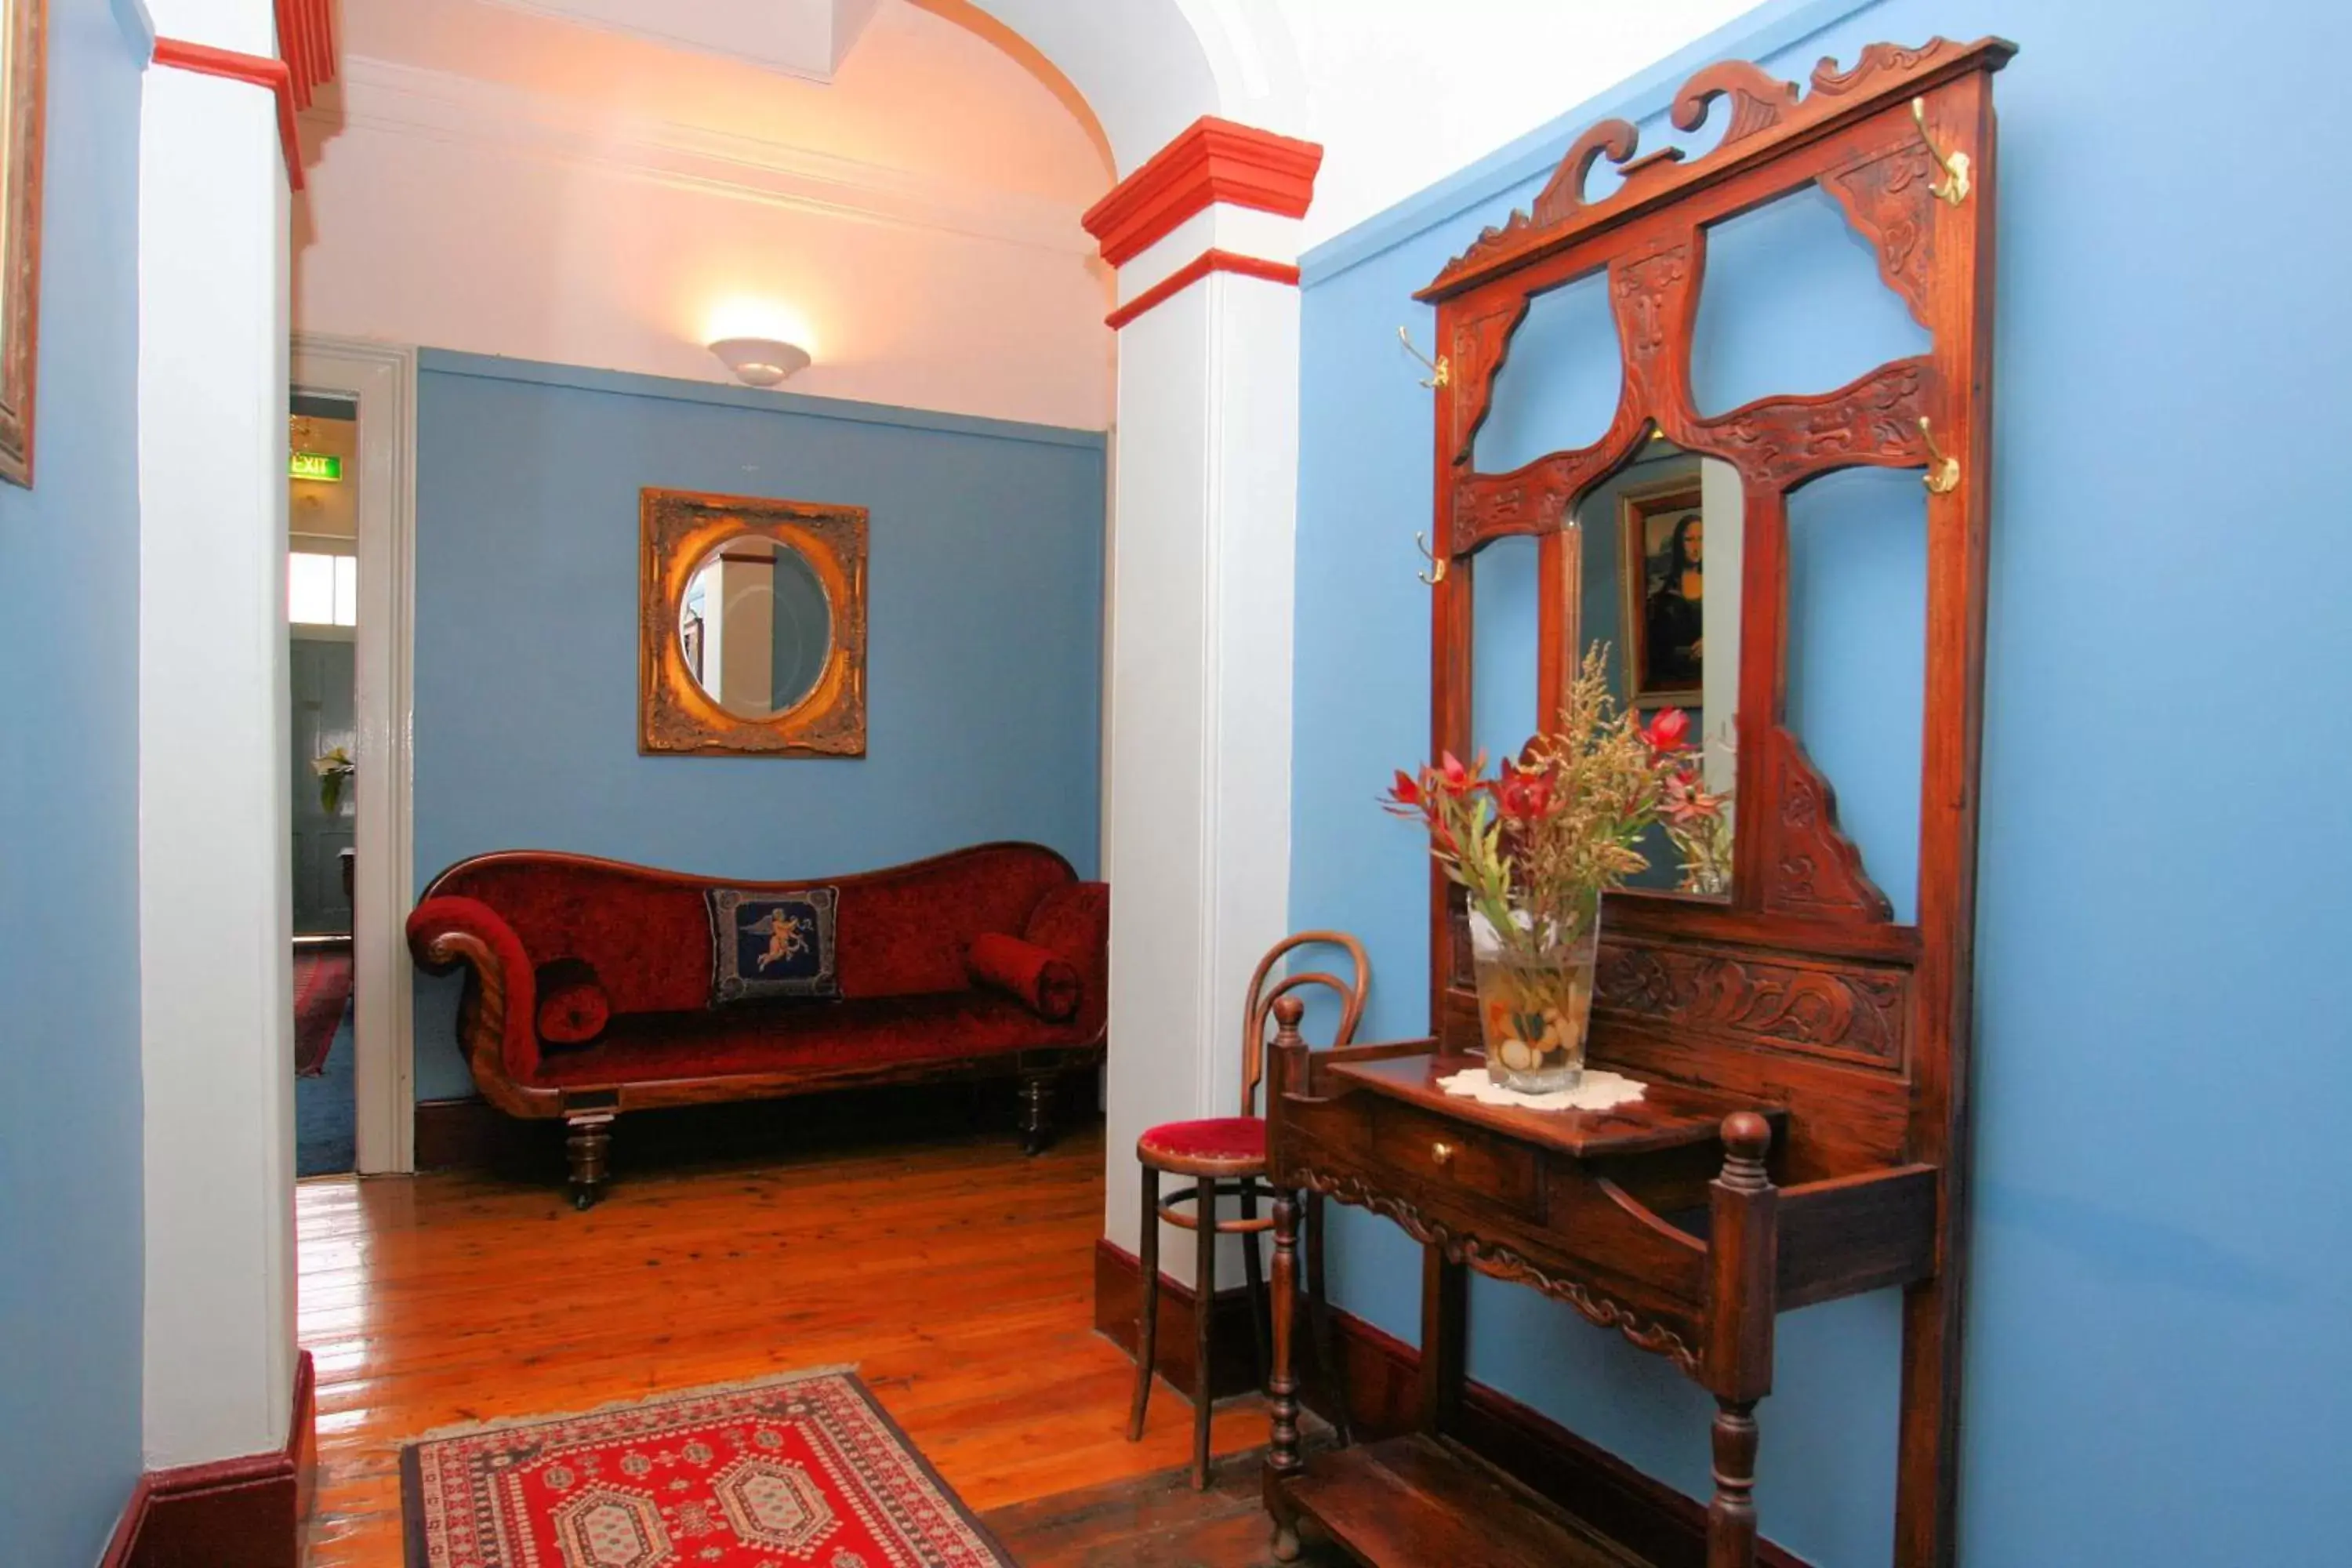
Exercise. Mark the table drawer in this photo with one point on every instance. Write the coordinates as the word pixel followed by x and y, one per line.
pixel 1456 1154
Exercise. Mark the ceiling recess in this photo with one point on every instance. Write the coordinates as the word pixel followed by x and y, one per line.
pixel 805 38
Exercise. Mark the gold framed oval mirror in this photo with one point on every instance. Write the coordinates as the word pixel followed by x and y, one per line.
pixel 751 634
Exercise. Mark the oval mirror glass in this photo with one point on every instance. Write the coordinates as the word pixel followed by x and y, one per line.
pixel 755 626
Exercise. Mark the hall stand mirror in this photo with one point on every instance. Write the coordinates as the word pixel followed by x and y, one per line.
pixel 1803 1035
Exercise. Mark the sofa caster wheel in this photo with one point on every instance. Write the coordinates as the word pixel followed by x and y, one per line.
pixel 589 1147
pixel 1036 1114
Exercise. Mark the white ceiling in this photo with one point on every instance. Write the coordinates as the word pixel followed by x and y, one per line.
pixel 806 39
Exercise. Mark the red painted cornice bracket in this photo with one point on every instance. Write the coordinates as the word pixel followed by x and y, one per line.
pixel 1211 160
pixel 305 40
pixel 259 69
pixel 1193 271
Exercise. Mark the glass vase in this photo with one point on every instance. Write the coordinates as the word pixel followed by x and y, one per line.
pixel 1535 1000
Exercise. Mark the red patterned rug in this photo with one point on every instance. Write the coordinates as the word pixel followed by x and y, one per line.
pixel 323 989
pixel 800 1469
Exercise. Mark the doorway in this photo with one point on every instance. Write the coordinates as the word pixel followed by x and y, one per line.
pixel 350 523
pixel 322 529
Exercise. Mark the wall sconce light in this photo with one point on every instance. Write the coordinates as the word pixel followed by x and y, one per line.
pixel 761 362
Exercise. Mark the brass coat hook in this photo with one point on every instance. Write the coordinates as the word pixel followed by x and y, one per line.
pixel 1943 475
pixel 1953 188
pixel 1420 543
pixel 1439 372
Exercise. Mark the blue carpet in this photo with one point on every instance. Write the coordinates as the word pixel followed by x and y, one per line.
pixel 326 1110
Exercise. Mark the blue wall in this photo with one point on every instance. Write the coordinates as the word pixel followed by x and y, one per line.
pixel 69 1101
pixel 2157 1353
pixel 983 645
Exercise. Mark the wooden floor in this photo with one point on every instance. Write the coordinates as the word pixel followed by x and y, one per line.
pixel 1158 1521
pixel 957 1277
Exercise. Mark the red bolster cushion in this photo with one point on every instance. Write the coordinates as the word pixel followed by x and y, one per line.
pixel 573 1008
pixel 1046 985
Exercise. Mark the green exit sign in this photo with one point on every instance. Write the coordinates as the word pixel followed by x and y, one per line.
pixel 323 466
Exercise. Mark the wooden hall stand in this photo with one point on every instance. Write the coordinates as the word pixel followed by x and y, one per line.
pixel 1804 1137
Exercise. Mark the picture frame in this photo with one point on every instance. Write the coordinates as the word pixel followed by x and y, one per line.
pixel 23 77
pixel 1651 520
pixel 678 530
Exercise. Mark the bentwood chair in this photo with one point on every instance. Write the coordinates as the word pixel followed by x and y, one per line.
pixel 1224 1156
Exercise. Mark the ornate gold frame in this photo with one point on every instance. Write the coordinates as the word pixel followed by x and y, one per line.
pixel 675 715
pixel 20 200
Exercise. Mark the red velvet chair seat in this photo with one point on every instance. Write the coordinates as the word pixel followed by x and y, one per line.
pixel 1216 1145
pixel 799 1036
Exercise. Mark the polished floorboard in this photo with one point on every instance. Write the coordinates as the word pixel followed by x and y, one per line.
pixel 956 1275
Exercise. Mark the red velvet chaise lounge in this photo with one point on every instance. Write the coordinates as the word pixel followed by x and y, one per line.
pixel 595 987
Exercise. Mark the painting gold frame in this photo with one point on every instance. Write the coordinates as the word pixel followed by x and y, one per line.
pixel 675 714
pixel 1637 507
pixel 24 76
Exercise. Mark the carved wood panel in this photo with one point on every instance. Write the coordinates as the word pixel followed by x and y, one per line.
pixel 1783 441
pixel 1767 115
pixel 1811 868
pixel 1881 198
pixel 1475 359
pixel 1852 1012
pixel 1504 1262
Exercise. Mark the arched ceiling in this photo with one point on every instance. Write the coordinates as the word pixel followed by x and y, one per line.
pixel 1142 69
pixel 1150 67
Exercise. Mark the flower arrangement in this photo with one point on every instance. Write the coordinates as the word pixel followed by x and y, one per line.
pixel 1534 847
pixel 334 770
pixel 1698 825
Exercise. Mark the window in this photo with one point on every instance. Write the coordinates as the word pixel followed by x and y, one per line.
pixel 322 590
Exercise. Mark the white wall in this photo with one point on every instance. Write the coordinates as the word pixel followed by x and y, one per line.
pixel 1403 92
pixel 501 182
pixel 214 920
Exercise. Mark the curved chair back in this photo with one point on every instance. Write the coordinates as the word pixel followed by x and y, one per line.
pixel 1259 1005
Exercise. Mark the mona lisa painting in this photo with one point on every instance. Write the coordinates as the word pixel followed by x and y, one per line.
pixel 23 52
pixel 1662 541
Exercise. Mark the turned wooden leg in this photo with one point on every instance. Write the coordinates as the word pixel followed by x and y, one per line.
pixel 1253 1274
pixel 590 1147
pixel 1731 1516
pixel 1204 1318
pixel 1282 1459
pixel 1147 1315
pixel 1319 1323
pixel 1036 1112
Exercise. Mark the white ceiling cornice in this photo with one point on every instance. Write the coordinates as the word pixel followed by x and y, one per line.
pixel 390 97
pixel 804 39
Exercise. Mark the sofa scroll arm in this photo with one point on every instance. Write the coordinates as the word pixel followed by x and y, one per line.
pixel 496 1023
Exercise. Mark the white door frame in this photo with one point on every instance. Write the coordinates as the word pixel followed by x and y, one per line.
pixel 382 376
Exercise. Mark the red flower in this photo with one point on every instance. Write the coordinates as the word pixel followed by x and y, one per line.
pixel 1667 730
pixel 1405 797
pixel 1686 801
pixel 1522 794
pixel 1458 779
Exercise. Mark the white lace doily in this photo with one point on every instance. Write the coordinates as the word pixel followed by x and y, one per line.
pixel 1596 1091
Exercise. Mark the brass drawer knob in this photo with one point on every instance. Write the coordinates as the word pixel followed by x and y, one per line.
pixel 1442 1152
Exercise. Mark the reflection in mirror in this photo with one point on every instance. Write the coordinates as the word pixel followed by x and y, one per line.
pixel 1857 660
pixel 1504 660
pixel 1794 306
pixel 1560 379
pixel 1653 536
pixel 755 626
